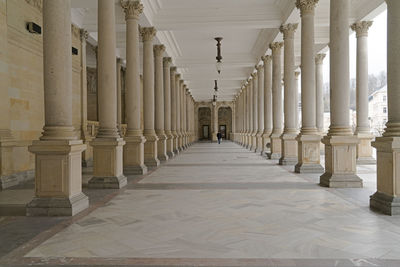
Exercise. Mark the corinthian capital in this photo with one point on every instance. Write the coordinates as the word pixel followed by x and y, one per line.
pixel 319 58
pixel 147 33
pixel 167 61
pixel 361 28
pixel 288 30
pixel 173 70
pixel 132 9
pixel 84 34
pixel 266 59
pixel 276 47
pixel 158 50
pixel 306 6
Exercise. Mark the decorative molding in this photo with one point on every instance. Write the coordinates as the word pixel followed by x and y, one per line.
pixel 266 59
pixel 158 50
pixel 147 33
pixel 132 9
pixel 38 4
pixel 361 28
pixel 319 59
pixel 288 30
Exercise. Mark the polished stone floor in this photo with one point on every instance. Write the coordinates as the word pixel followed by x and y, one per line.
pixel 218 205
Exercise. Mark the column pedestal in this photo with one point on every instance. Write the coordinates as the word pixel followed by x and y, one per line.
pixel 150 149
pixel 276 146
pixel 386 199
pixel 259 148
pixel 340 162
pixel 253 142
pixel 176 143
pixel 364 149
pixel 289 149
pixel 308 154
pixel 134 155
pixel 162 146
pixel 170 144
pixel 58 182
pixel 107 167
pixel 87 155
pixel 266 144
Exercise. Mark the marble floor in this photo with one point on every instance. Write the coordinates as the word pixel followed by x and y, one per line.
pixel 221 205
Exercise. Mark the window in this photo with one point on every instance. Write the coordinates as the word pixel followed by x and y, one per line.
pixel 384 109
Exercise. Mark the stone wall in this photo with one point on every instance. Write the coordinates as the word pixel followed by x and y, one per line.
pixel 21 88
pixel 204 115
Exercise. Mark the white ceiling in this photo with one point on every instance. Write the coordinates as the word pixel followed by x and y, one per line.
pixel 188 29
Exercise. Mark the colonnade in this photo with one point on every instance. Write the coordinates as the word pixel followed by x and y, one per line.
pixel 283 139
pixel 166 103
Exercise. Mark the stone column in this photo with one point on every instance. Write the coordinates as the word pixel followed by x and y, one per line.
pixel 134 148
pixel 254 112
pixel 309 138
pixel 215 121
pixel 386 199
pixel 184 113
pixel 250 110
pixel 187 99
pixel 260 108
pixel 119 95
pixel 234 120
pixel 174 104
pixel 178 111
pixel 108 145
pixel 167 107
pixel 290 131
pixel 244 110
pixel 151 146
pixel 296 75
pixel 87 155
pixel 267 104
pixel 340 143
pixel 159 102
pixel 58 178
pixel 319 77
pixel 181 112
pixel 363 131
pixel 276 144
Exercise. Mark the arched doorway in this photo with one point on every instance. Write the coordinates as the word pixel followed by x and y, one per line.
pixel 225 122
pixel 204 123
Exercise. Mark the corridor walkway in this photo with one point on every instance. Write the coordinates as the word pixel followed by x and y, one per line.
pixel 221 205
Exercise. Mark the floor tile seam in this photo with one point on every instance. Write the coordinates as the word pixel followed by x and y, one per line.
pixel 211 262
pixel 39 239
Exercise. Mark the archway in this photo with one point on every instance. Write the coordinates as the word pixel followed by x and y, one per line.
pixel 204 123
pixel 225 122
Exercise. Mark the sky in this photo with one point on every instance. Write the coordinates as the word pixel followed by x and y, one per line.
pixel 376 49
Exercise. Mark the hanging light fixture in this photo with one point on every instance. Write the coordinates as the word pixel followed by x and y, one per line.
pixel 219 57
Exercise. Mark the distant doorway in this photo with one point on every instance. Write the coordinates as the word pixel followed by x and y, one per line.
pixel 206 132
pixel 204 123
pixel 222 130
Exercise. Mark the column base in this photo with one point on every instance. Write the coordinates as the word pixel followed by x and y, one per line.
pixel 340 162
pixel 259 143
pixel 289 149
pixel 266 144
pixel 170 145
pixel 150 150
pixel 364 149
pixel 162 147
pixel 253 146
pixel 134 155
pixel 276 146
pixel 58 178
pixel 385 204
pixel 107 164
pixel 175 143
pixel 57 206
pixel 309 154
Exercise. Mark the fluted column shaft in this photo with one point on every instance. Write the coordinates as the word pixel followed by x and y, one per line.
pixel 267 95
pixel 319 77
pixel 167 106
pixel 174 104
pixel 307 66
pixel 297 74
pixel 288 31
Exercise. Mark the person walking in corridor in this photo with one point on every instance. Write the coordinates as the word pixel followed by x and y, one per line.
pixel 219 136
